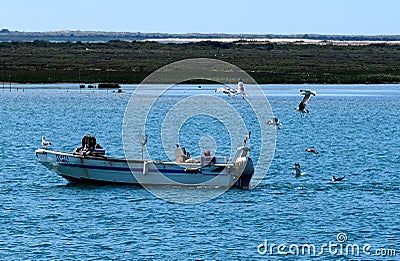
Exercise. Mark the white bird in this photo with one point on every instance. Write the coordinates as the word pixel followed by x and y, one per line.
pixel 274 121
pixel 240 88
pixel 302 105
pixel 232 92
pixel 312 150
pixel 297 171
pixel 45 143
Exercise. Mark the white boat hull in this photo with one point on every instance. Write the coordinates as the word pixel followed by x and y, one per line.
pixel 92 169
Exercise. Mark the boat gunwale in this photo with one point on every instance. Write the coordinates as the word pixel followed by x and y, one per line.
pixel 107 158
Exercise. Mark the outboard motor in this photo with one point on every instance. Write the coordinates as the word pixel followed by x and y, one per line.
pixel 89 142
pixel 90 147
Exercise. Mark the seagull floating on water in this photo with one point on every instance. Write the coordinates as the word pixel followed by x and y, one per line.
pixel 45 143
pixel 334 179
pixel 312 150
pixel 297 171
pixel 232 92
pixel 275 121
pixel 302 105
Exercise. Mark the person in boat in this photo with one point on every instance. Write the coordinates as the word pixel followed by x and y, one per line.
pixel 207 159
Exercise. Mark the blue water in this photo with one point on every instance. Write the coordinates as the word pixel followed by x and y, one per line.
pixel 355 128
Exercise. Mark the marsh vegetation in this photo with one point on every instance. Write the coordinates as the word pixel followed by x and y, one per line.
pixel 130 62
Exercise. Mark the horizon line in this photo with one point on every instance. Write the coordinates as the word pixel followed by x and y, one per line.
pixel 5 30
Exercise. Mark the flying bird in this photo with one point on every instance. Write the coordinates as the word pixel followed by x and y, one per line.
pixel 302 105
pixel 45 143
pixel 233 92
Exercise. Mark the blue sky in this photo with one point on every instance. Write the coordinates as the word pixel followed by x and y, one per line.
pixel 205 16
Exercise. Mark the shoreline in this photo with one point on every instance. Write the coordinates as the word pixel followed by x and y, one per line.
pixel 300 41
pixel 76 86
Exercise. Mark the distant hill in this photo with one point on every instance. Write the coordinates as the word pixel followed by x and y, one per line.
pixel 97 36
